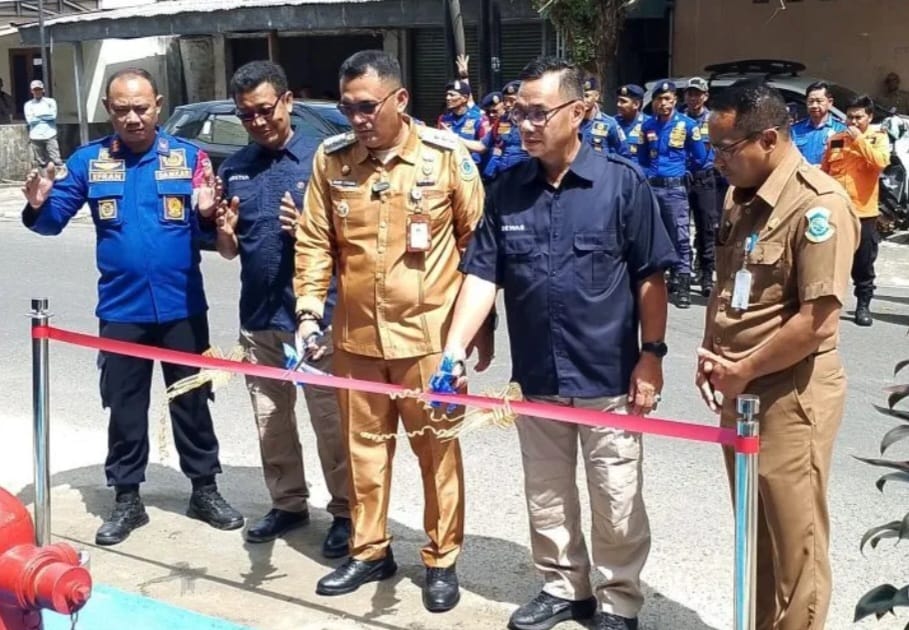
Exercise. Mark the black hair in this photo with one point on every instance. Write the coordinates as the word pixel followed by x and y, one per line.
pixel 862 101
pixel 131 72
pixel 756 106
pixel 571 76
pixel 819 85
pixel 251 75
pixel 385 66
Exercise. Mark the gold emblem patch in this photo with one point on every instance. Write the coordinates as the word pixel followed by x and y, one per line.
pixel 175 159
pixel 174 209
pixel 107 209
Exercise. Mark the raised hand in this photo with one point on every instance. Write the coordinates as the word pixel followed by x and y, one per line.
pixel 38 185
pixel 226 216
pixel 289 214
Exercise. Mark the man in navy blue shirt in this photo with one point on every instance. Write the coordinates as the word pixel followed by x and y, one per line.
pixel 139 186
pixel 574 238
pixel 262 187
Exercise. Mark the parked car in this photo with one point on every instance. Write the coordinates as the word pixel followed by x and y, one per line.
pixel 783 75
pixel 215 128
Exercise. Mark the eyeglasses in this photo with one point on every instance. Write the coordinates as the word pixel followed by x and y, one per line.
pixel 538 117
pixel 365 108
pixel 729 151
pixel 265 111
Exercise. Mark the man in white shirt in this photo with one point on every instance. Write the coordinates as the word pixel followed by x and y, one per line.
pixel 41 116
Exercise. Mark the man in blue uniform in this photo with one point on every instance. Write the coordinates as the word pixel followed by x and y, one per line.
pixel 574 239
pixel 263 186
pixel 139 186
pixel 506 149
pixel 630 117
pixel 493 106
pixel 811 134
pixel 466 121
pixel 672 145
pixel 708 188
pixel 599 129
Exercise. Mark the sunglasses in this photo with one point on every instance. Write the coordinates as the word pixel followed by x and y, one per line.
pixel 364 108
pixel 265 111
pixel 538 117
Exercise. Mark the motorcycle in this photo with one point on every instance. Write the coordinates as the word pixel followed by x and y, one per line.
pixel 894 182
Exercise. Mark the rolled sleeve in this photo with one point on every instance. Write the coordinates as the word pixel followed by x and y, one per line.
pixel 823 268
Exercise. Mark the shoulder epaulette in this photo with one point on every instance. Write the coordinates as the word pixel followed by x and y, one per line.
pixel 439 138
pixel 338 142
pixel 818 180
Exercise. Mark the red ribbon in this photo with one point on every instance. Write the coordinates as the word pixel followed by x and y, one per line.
pixel 575 415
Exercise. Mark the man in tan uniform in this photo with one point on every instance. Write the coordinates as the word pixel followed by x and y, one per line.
pixel 785 247
pixel 391 205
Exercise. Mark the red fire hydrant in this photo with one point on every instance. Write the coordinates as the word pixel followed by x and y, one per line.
pixel 32 578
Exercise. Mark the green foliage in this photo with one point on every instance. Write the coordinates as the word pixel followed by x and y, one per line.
pixel 591 28
pixel 884 598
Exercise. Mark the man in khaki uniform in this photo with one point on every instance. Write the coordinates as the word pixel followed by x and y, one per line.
pixel 785 247
pixel 391 205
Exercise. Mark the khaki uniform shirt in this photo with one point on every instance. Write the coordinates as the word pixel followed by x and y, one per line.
pixel 391 303
pixel 807 235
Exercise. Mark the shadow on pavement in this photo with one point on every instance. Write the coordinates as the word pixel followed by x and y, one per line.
pixel 494 569
pixel 891 298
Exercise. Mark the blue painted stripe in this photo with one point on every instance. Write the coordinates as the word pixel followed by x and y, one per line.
pixel 113 609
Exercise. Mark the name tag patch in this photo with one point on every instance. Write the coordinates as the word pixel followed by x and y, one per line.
pixel 106 171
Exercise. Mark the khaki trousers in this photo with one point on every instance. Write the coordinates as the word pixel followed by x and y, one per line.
pixel 620 534
pixel 801 411
pixel 273 405
pixel 370 462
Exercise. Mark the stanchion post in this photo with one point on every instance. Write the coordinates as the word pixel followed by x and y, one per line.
pixel 41 410
pixel 746 510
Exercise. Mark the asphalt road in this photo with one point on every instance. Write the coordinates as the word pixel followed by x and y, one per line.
pixel 689 573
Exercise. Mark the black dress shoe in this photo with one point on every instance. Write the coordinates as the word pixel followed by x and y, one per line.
pixel 355 573
pixel 440 591
pixel 608 621
pixel 545 610
pixel 337 541
pixel 207 504
pixel 128 514
pixel 274 524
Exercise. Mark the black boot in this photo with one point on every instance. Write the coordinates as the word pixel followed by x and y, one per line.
pixel 672 283
pixel 128 514
pixel 337 541
pixel 441 592
pixel 207 504
pixel 545 610
pixel 863 312
pixel 682 297
pixel 706 282
pixel 355 573
pixel 274 524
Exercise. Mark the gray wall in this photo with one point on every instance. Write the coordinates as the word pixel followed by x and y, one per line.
pixel 15 154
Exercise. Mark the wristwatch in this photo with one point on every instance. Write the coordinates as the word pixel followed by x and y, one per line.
pixel 657 348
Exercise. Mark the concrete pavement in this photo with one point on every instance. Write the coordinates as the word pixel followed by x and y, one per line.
pixel 271 587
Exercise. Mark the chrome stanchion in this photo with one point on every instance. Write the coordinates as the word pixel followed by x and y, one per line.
pixel 746 510
pixel 41 411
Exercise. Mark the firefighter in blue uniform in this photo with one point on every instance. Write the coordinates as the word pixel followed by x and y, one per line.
pixel 493 106
pixel 629 99
pixel 599 129
pixel 139 185
pixel 672 145
pixel 507 149
pixel 708 187
pixel 466 121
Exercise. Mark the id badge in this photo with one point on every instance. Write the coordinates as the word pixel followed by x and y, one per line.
pixel 419 235
pixel 741 290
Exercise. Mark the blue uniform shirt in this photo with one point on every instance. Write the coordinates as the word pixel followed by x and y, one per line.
pixel 670 148
pixel 508 149
pixel 603 133
pixel 148 233
pixel 569 261
pixel 811 140
pixel 471 125
pixel 705 138
pixel 260 177
pixel 634 137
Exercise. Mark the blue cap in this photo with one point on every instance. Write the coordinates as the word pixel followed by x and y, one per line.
pixel 591 84
pixel 458 85
pixel 511 88
pixel 664 86
pixel 631 91
pixel 491 100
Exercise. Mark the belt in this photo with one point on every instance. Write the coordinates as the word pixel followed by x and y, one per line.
pixel 667 182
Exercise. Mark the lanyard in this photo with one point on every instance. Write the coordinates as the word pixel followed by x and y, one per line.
pixel 750 243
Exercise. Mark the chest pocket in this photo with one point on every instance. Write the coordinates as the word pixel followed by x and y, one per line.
pixel 106 202
pixel 174 202
pixel 765 263
pixel 595 258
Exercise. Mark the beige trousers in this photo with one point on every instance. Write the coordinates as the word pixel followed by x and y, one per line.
pixel 620 536
pixel 273 405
